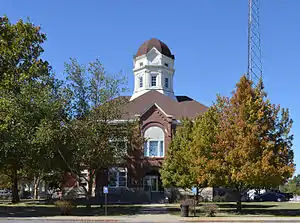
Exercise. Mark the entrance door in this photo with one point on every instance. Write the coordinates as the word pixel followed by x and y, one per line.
pixel 151 183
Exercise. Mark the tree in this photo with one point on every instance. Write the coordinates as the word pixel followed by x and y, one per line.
pixel 292 186
pixel 202 151
pixel 253 141
pixel 5 181
pixel 241 142
pixel 176 171
pixel 190 150
pixel 28 97
pixel 95 108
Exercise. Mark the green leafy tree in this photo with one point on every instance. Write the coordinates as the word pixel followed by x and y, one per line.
pixel 95 108
pixel 202 152
pixel 5 181
pixel 292 186
pixel 176 169
pixel 28 98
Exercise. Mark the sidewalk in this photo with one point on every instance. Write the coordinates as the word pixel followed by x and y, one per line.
pixel 241 219
pixel 132 218
pixel 158 218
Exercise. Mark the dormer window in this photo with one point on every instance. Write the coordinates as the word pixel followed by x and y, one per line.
pixel 153 81
pixel 166 65
pixel 166 82
pixel 141 81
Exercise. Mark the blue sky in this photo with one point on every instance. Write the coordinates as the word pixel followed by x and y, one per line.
pixel 208 38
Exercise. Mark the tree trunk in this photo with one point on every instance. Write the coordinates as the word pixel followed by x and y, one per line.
pixel 90 189
pixel 36 187
pixel 239 201
pixel 15 193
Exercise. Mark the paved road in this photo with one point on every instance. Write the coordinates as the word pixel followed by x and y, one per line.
pixel 67 221
pixel 149 220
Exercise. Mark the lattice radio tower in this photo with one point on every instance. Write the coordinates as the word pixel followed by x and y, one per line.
pixel 254 71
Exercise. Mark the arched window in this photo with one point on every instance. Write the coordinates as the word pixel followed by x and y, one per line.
pixel 154 145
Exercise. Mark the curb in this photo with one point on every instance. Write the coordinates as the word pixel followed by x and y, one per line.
pixel 244 220
pixel 63 219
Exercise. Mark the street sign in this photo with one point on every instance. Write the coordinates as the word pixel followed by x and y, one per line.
pixel 105 190
pixel 194 190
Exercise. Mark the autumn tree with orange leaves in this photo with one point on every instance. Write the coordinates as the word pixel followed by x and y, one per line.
pixel 252 147
pixel 241 142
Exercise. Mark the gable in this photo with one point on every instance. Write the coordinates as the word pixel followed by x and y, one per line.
pixel 154 115
pixel 183 107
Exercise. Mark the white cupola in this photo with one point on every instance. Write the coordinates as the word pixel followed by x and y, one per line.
pixel 153 69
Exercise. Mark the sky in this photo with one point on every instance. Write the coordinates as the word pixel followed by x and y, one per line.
pixel 208 38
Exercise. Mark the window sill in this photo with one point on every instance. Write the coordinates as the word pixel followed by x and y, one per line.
pixel 115 187
pixel 153 157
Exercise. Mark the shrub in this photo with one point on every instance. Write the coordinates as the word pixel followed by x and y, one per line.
pixel 210 210
pixel 189 202
pixel 65 206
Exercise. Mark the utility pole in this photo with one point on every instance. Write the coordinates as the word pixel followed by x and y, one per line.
pixel 254 71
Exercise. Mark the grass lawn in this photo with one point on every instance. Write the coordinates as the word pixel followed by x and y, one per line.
pixel 41 210
pixel 224 209
pixel 248 209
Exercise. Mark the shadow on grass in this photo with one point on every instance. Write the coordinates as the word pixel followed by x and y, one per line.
pixel 36 211
pixel 273 212
pixel 256 206
pixel 247 209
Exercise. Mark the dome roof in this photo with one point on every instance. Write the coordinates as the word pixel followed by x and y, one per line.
pixel 159 45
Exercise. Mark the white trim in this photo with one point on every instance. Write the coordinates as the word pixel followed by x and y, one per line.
pixel 116 121
pixel 154 66
pixel 177 122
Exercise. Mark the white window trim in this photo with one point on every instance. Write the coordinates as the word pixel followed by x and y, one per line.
pixel 118 170
pixel 148 150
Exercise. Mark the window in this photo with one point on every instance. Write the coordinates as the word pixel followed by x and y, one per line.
pixel 141 64
pixel 166 82
pixel 153 81
pixel 154 146
pixel 141 81
pixel 166 65
pixel 117 177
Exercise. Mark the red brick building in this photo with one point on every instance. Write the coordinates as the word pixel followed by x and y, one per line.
pixel 158 111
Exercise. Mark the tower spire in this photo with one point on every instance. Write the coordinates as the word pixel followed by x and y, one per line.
pixel 254 71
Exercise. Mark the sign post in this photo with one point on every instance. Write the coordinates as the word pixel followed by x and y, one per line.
pixel 194 191
pixel 105 192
